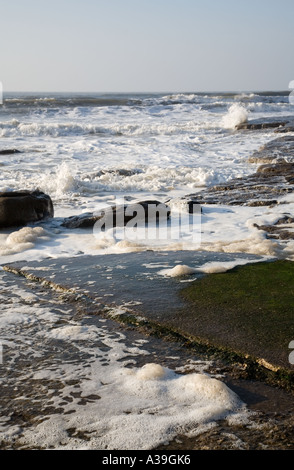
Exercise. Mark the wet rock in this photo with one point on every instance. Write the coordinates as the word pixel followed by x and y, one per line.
pixel 9 151
pixel 285 220
pixel 282 229
pixel 258 189
pixel 283 169
pixel 119 172
pixel 273 178
pixel 261 124
pixel 283 130
pixel 120 215
pixel 18 208
pixel 289 127
pixel 278 150
pixel 86 220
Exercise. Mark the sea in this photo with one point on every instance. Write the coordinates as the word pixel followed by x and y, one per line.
pixel 92 386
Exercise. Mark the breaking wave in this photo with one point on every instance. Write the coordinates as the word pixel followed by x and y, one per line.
pixel 64 180
pixel 237 114
pixel 15 128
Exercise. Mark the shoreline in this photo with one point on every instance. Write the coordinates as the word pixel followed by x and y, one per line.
pixel 196 316
pixel 266 392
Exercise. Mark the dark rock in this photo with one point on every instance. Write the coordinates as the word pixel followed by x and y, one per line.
pixel 260 125
pixel 258 189
pixel 86 220
pixel 278 150
pixel 261 202
pixel 17 208
pixel 278 230
pixel 289 127
pixel 285 220
pixel 9 151
pixel 120 172
pixel 257 124
pixel 119 215
pixel 284 169
pixel 283 130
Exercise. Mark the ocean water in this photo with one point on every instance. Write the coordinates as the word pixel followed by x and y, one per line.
pixel 91 151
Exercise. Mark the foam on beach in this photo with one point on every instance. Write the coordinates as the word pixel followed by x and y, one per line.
pixel 211 267
pixel 104 396
pixel 177 271
pixel 94 387
pixel 21 240
pixel 139 409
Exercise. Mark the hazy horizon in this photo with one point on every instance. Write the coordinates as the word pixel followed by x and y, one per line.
pixel 114 92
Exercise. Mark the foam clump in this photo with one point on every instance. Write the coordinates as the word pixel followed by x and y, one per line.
pixel 74 332
pixel 253 245
pixel 179 270
pixel 190 388
pixel 22 240
pixel 221 267
pixel 214 268
pixel 151 371
pixel 25 235
pixel 208 388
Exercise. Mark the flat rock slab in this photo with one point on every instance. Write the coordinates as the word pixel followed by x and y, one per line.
pixel 277 150
pixel 250 308
pixel 283 123
pixel 134 282
pixel 31 350
pixel 127 278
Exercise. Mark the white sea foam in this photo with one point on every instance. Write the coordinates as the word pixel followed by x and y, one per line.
pixel 172 145
pixel 207 268
pixel 22 240
pixel 75 333
pixel 139 409
pixel 224 266
pixel 60 182
pixel 237 114
pixel 252 245
pixel 113 402
pixel 15 128
pixel 179 270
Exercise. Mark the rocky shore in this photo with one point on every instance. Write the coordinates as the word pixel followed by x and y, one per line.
pixel 240 320
pixel 273 178
pixel 245 341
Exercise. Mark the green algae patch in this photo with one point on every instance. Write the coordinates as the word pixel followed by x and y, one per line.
pixel 249 309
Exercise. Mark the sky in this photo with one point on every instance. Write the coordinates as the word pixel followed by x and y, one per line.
pixel 146 45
